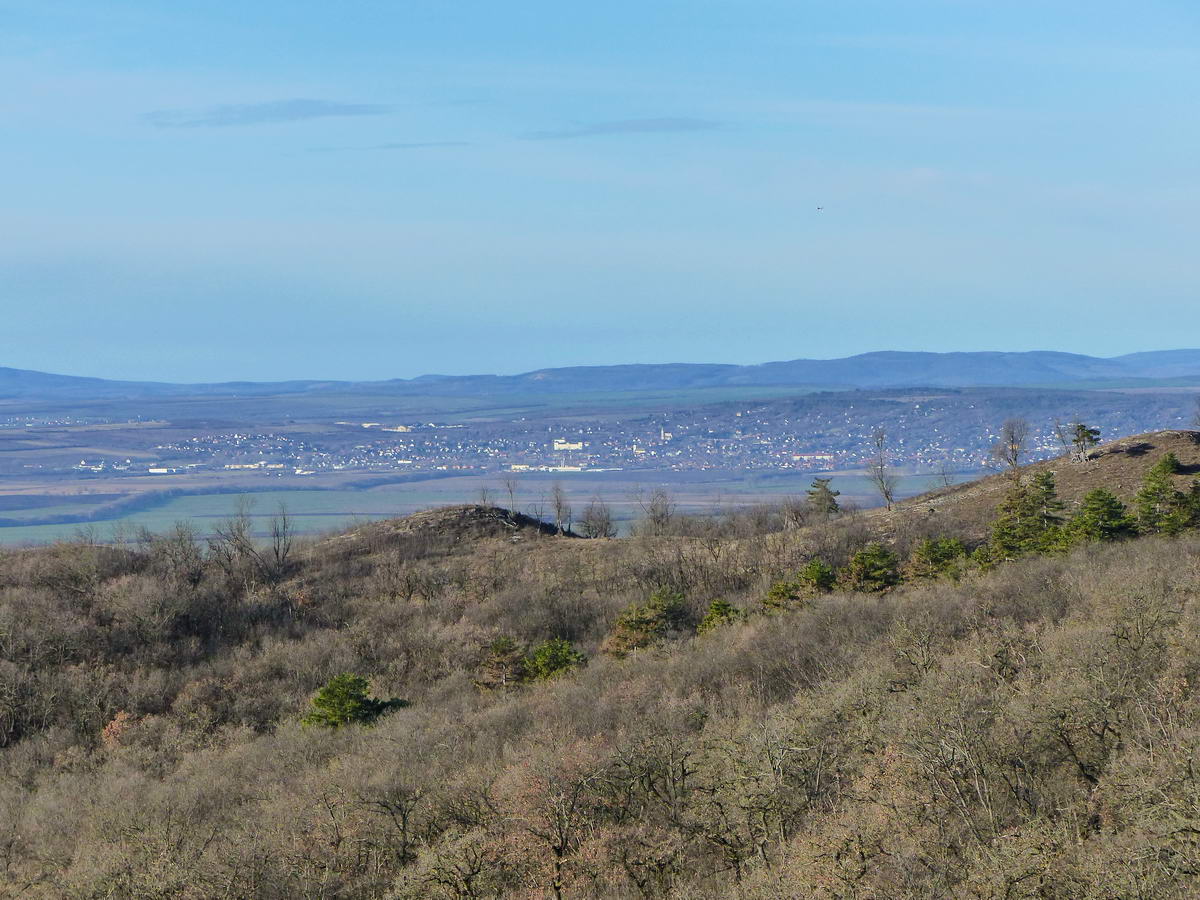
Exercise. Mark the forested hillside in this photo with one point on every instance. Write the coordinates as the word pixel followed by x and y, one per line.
pixel 986 693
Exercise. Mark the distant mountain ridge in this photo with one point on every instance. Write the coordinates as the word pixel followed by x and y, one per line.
pixel 881 369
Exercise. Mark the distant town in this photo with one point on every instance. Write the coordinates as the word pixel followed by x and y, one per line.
pixel 952 430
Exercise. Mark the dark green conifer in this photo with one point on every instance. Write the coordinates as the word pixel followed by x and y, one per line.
pixel 1028 521
pixel 822 499
pixel 553 658
pixel 643 625
pixel 1083 439
pixel 1162 508
pixel 720 612
pixel 816 577
pixel 1102 517
pixel 872 569
pixel 344 701
pixel 1047 507
pixel 504 665
pixel 935 557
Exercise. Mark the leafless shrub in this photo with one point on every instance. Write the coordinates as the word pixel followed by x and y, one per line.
pixel 597 520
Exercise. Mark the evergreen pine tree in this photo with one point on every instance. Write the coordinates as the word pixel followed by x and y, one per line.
pixel 816 577
pixel 873 568
pixel 822 499
pixel 1161 508
pixel 553 658
pixel 1191 504
pixel 720 612
pixel 1083 439
pixel 344 701
pixel 644 625
pixel 1028 520
pixel 934 557
pixel 1102 517
pixel 504 666
pixel 1047 507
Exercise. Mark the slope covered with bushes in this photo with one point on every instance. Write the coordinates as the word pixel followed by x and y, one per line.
pixel 767 706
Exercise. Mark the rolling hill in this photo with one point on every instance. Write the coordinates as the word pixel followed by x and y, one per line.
pixel 462 705
pixel 869 370
pixel 1118 466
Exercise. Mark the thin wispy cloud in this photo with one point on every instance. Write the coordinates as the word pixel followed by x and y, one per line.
pixel 624 126
pixel 274 111
pixel 418 145
pixel 393 145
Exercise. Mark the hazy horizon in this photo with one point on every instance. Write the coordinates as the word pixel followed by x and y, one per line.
pixel 522 371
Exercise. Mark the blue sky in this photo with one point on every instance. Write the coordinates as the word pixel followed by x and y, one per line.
pixel 216 191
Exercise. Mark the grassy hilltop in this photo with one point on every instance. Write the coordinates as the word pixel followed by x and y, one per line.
pixel 988 691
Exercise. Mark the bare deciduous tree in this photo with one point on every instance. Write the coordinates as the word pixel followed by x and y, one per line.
pixel 279 550
pixel 1011 444
pixel 658 511
pixel 1062 434
pixel 233 546
pixel 945 473
pixel 562 508
pixel 511 485
pixel 879 471
pixel 537 509
pixel 597 521
pixel 795 512
pixel 485 496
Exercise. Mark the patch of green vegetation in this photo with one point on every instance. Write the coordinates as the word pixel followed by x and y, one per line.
pixel 345 701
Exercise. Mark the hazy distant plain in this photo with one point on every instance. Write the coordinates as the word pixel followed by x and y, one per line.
pixel 321 511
